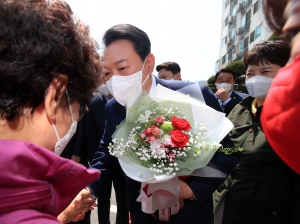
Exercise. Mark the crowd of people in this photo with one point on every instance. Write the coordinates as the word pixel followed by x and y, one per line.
pixel 61 103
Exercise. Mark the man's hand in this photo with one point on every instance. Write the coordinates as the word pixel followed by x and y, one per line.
pixel 222 94
pixel 78 207
pixel 185 191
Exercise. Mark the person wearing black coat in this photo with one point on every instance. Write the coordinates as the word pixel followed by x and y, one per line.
pixel 82 148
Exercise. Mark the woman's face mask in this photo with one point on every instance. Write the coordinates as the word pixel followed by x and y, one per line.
pixel 103 89
pixel 62 142
pixel 258 86
pixel 259 79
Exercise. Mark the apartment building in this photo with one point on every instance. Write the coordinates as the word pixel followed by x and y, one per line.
pixel 243 25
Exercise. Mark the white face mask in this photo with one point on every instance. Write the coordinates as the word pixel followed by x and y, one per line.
pixel 258 86
pixel 103 89
pixel 120 86
pixel 62 142
pixel 224 85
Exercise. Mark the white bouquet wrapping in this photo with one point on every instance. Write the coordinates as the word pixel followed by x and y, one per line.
pixel 166 136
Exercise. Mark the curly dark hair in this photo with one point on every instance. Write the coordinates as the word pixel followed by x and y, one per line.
pixel 275 52
pixel 38 41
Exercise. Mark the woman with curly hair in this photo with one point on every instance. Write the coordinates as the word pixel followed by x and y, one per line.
pixel 48 68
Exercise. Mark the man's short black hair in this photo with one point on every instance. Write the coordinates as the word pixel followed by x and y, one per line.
pixel 169 66
pixel 139 38
pixel 225 70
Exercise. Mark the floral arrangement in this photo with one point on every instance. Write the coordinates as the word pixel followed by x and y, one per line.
pixel 162 136
pixel 169 136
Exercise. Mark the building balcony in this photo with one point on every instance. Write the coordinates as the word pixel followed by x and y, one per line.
pixel 240 55
pixel 231 21
pixel 230 42
pixel 244 29
pixel 232 4
pixel 239 7
pixel 245 5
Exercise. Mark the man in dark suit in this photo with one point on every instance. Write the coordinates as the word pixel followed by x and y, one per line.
pixel 131 64
pixel 95 121
pixel 227 96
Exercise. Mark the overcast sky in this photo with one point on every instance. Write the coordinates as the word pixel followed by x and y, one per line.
pixel 187 32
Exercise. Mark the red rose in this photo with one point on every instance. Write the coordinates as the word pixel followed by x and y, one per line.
pixel 152 131
pixel 180 124
pixel 179 138
pixel 159 120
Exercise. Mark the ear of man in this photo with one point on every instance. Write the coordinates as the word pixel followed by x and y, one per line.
pixel 150 62
pixel 178 76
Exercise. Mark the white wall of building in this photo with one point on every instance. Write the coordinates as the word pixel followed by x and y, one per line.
pixel 240 41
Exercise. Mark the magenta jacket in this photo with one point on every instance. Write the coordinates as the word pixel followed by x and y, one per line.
pixel 35 184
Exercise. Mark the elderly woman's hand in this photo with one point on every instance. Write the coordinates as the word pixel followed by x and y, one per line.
pixel 78 207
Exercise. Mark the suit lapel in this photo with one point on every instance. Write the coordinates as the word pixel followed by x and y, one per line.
pixel 233 95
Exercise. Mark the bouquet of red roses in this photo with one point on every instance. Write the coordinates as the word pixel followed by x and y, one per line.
pixel 166 137
pixel 160 138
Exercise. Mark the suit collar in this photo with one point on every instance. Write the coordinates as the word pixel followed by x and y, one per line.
pixel 232 93
pixel 153 85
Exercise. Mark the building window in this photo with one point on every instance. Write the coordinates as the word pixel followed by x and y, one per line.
pixel 226 21
pixel 246 3
pixel 223 59
pixel 252 35
pixel 246 18
pixel 230 53
pixel 255 33
pixel 233 11
pixel 258 31
pixel 244 45
pixel 233 34
pixel 224 41
pixel 256 7
pixel 226 3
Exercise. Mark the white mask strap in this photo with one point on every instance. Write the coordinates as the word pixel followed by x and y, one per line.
pixel 53 125
pixel 70 105
pixel 144 63
pixel 56 133
pixel 145 80
pixel 142 72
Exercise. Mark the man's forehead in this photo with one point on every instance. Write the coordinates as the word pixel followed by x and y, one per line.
pixel 222 74
pixel 114 58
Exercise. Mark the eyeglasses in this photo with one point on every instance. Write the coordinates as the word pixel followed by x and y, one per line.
pixel 82 110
